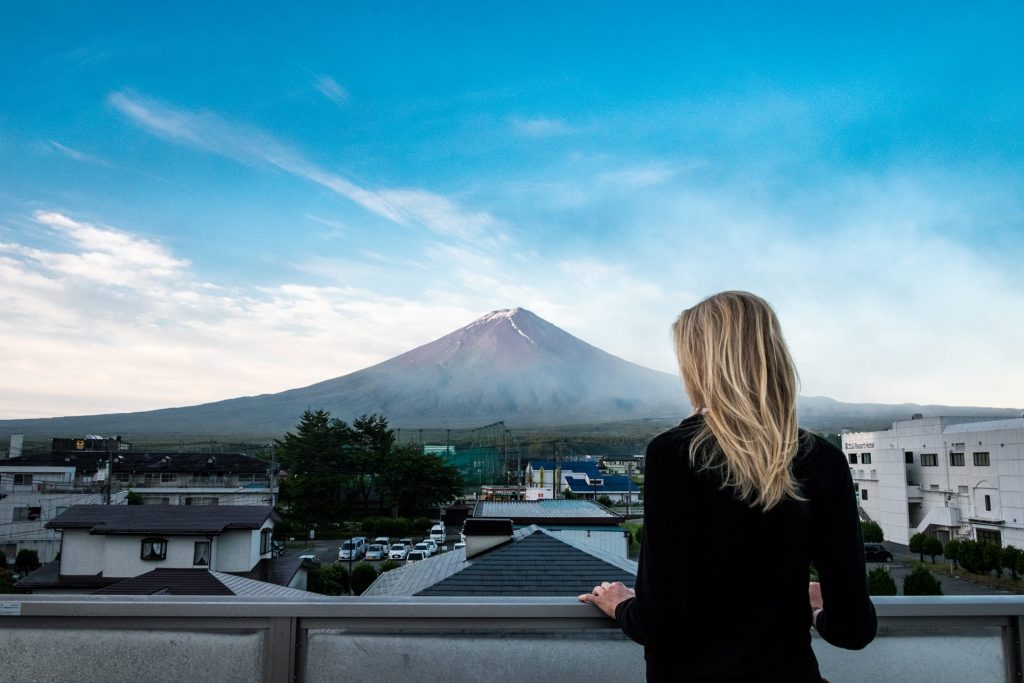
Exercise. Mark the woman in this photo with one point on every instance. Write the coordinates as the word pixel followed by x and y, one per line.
pixel 738 504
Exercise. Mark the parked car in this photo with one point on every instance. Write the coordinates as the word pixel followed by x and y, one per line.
pixel 424 548
pixel 416 555
pixel 398 551
pixel 434 548
pixel 460 544
pixel 384 541
pixel 407 542
pixel 352 549
pixel 310 558
pixel 876 552
pixel 437 533
pixel 376 551
pixel 276 548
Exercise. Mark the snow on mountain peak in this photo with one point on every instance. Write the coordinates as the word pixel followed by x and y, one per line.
pixel 497 315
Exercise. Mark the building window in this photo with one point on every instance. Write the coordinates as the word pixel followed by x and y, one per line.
pixel 908 457
pixel 989 536
pixel 933 487
pixel 863 494
pixel 929 460
pixel 265 541
pixel 865 458
pixel 201 555
pixel 201 500
pixel 853 458
pixel 981 459
pixel 22 479
pixel 27 514
pixel 154 549
pixel 962 490
pixel 988 503
pixel 123 477
pixel 956 459
pixel 168 478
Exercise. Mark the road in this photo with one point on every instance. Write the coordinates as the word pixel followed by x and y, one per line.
pixel 902 565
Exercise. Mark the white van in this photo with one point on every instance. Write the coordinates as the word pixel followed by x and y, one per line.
pixel 437 533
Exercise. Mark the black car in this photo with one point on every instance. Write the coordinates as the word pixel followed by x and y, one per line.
pixel 875 552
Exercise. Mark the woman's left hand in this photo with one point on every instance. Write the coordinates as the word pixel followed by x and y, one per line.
pixel 607 596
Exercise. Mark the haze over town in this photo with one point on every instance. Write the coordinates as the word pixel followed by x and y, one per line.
pixel 188 214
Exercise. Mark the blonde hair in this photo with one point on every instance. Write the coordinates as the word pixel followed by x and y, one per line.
pixel 738 372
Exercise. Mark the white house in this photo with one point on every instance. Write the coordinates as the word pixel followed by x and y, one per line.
pixel 104 544
pixel 950 477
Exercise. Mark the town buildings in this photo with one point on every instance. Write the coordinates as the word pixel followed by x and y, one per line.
pixel 950 477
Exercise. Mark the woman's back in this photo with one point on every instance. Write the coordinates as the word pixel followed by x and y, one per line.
pixel 735 577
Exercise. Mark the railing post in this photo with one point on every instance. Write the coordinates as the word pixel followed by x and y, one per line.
pixel 279 653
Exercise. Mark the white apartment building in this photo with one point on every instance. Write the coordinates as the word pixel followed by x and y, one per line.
pixel 950 477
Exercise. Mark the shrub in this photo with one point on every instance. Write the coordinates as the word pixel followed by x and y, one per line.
pixel 362 576
pixel 1010 557
pixel 133 498
pixel 917 544
pixel 604 500
pixel 921 582
pixel 970 556
pixel 952 551
pixel 880 582
pixel 26 561
pixel 932 546
pixel 389 565
pixel 991 558
pixel 871 532
pixel 420 526
pixel 6 581
pixel 3 560
pixel 329 580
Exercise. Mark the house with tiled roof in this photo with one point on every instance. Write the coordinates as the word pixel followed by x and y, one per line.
pixel 577 520
pixel 548 479
pixel 500 561
pixel 106 544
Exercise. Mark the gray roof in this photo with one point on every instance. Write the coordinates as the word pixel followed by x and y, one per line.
pixel 540 511
pixel 162 519
pixel 986 426
pixel 532 563
pixel 198 582
pixel 413 577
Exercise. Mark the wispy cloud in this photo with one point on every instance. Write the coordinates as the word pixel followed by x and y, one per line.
pixel 78 156
pixel 541 127
pixel 635 177
pixel 331 89
pixel 209 132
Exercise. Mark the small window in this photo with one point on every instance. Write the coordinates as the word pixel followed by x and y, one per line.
pixel 201 555
pixel 981 459
pixel 962 490
pixel 933 487
pixel 929 460
pixel 865 458
pixel 168 478
pixel 908 457
pixel 988 503
pixel 989 536
pixel 863 494
pixel 853 458
pixel 27 514
pixel 956 459
pixel 154 549
pixel 22 479
pixel 265 541
pixel 123 477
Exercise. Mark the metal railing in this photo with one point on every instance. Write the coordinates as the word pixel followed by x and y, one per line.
pixel 158 638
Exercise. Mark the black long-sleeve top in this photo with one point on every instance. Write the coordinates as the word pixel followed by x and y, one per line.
pixel 721 592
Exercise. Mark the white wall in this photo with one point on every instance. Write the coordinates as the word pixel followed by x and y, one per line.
pixel 612 541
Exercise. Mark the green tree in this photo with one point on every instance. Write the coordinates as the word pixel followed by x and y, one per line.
pixel 991 557
pixel 952 551
pixel 932 546
pixel 362 576
pixel 7 581
pixel 1010 557
pixel 317 464
pixel 26 561
pixel 917 544
pixel 329 580
pixel 871 532
pixel 880 582
pixel 921 582
pixel 389 565
pixel 605 501
pixel 970 556
pixel 133 498
pixel 413 481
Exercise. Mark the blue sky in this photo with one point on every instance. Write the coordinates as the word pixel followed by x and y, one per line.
pixel 203 203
